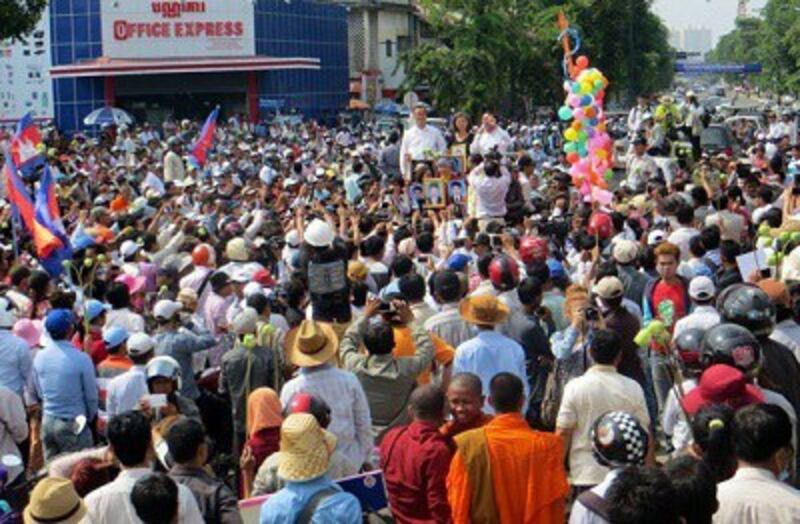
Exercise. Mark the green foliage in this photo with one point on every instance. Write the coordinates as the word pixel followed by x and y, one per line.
pixel 505 54
pixel 19 17
pixel 773 40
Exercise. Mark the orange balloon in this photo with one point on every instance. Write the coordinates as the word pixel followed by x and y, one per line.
pixel 573 158
pixel 582 62
pixel 577 125
pixel 590 112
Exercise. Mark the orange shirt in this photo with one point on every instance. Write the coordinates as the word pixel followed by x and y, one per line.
pixel 443 353
pixel 527 474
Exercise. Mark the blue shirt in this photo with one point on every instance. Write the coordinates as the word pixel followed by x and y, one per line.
pixel 285 506
pixel 65 381
pixel 488 354
pixel 15 362
pixel 181 345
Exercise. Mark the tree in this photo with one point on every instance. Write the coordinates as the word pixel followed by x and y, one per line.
pixel 505 55
pixel 19 17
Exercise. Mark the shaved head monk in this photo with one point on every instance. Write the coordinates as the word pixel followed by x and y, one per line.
pixel 465 402
pixel 505 472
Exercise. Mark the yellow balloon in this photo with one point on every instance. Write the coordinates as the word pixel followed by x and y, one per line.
pixel 586 88
pixel 601 154
pixel 570 134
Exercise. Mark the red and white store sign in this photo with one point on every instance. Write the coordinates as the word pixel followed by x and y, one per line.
pixel 164 29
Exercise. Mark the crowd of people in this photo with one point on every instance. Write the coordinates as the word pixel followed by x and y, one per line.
pixel 304 308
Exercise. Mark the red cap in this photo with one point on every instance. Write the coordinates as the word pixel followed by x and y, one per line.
pixel 263 277
pixel 721 384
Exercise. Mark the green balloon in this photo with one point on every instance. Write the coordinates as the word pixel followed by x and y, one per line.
pixel 565 113
pixel 570 147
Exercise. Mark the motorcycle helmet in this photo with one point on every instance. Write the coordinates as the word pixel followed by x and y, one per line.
pixel 504 273
pixel 689 345
pixel 203 255
pixel 748 306
pixel 733 345
pixel 619 440
pixel 164 367
pixel 600 225
pixel 533 249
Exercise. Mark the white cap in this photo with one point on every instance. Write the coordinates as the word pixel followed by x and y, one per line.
pixel 702 288
pixel 318 233
pixel 252 288
pixel 656 237
pixel 140 344
pixel 166 309
pixel 293 238
pixel 128 248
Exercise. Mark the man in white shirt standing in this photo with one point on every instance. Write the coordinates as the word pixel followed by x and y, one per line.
pixel 704 315
pixel 489 183
pixel 124 391
pixel 174 169
pixel 130 441
pixel 600 390
pixel 490 137
pixel 419 139
pixel 762 443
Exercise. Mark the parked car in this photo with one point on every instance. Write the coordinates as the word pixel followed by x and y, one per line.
pixel 718 138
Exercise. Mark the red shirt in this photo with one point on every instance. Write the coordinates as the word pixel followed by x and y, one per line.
pixel 415 460
pixel 674 293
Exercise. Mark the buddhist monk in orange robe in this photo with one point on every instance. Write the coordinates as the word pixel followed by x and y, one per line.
pixel 505 472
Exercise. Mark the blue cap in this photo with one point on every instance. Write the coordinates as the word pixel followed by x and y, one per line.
pixel 458 261
pixel 94 308
pixel 114 336
pixel 58 322
pixel 556 268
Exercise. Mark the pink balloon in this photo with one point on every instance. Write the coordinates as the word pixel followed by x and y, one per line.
pixel 578 114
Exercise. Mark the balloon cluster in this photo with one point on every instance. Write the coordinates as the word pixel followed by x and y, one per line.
pixel 588 146
pixel 776 244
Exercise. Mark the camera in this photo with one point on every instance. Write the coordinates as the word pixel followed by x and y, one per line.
pixel 591 314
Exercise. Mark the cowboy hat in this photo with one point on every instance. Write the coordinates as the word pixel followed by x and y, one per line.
pixel 54 500
pixel 311 344
pixel 306 448
pixel 484 310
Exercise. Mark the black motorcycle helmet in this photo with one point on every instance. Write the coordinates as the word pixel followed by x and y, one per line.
pixel 689 344
pixel 619 440
pixel 748 306
pixel 733 345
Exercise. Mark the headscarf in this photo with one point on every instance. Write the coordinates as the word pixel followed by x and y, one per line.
pixel 263 410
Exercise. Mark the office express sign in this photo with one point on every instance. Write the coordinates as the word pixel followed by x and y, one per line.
pixel 173 29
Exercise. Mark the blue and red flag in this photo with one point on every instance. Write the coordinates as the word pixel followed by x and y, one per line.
pixel 198 153
pixel 49 216
pixel 26 145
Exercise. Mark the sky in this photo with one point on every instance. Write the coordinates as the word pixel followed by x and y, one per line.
pixel 717 15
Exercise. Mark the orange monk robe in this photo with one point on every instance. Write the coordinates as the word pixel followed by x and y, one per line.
pixel 525 475
pixel 443 353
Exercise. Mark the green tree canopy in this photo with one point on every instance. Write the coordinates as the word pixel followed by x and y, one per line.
pixel 505 54
pixel 19 17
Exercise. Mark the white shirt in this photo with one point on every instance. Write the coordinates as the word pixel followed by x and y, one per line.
pixel 173 167
pixel 449 326
pixel 639 170
pixel 125 390
pixel 599 390
pixel 580 514
pixel 13 427
pixel 132 322
pixel 112 503
pixel 350 417
pixel 490 192
pixel 755 496
pixel 416 141
pixel 673 421
pixel 702 317
pixel 759 212
pixel 681 237
pixel 731 225
pixel 787 332
pixel 485 141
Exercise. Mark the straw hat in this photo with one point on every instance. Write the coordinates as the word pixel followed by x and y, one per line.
pixel 484 310
pixel 306 448
pixel 54 500
pixel 311 344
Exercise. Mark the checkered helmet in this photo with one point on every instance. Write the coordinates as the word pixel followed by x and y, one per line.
pixel 619 439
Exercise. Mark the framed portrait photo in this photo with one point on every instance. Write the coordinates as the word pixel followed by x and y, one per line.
pixel 416 195
pixel 435 195
pixel 457 192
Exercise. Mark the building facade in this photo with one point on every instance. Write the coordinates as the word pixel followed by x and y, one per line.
pixel 178 59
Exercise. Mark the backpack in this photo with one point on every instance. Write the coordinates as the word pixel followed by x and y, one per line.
pixel 565 370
